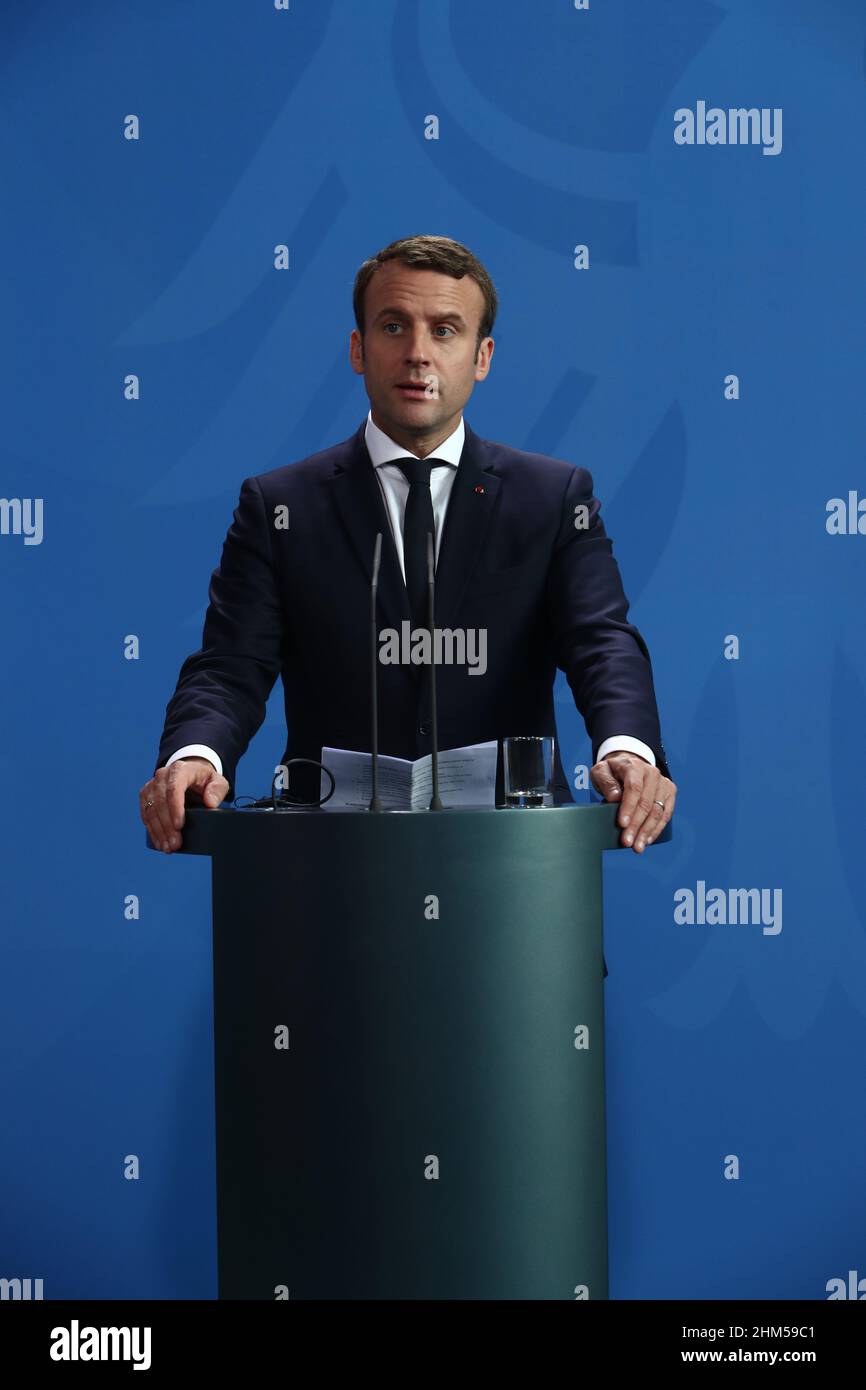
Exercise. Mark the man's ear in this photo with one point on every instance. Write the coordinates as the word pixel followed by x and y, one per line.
pixel 356 352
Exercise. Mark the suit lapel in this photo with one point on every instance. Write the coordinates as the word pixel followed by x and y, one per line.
pixel 358 499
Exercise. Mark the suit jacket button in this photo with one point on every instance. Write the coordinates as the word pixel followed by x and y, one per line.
pixel 423 728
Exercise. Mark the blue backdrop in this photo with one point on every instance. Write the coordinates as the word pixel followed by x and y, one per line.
pixel 706 363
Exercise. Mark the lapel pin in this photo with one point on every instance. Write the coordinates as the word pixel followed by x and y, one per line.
pixel 479 488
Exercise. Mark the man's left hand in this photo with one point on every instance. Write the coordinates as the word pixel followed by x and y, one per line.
pixel 639 787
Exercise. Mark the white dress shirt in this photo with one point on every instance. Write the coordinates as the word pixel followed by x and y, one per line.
pixel 395 490
pixel 395 485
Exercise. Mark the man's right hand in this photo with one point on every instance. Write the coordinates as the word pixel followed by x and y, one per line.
pixel 168 790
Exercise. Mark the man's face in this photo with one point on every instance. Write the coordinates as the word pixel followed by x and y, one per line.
pixel 420 327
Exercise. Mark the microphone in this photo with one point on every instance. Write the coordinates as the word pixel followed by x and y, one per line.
pixel 435 803
pixel 374 676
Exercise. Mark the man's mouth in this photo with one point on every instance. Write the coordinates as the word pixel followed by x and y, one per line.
pixel 413 390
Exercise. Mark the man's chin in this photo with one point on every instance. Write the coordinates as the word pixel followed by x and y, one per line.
pixel 417 415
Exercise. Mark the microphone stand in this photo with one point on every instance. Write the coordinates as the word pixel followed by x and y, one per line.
pixel 435 803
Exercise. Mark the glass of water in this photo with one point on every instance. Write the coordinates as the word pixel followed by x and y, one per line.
pixel 528 770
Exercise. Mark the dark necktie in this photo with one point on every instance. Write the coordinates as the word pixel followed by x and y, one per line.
pixel 417 522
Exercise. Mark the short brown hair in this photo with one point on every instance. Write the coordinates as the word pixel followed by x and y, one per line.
pixel 430 253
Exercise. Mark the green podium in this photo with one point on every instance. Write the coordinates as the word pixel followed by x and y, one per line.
pixel 409 1052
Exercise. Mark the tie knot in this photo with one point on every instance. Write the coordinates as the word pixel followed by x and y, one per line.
pixel 417 470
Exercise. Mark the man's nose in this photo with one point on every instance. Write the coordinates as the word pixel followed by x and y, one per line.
pixel 417 349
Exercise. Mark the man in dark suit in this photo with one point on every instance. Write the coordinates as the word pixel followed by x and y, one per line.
pixel 522 557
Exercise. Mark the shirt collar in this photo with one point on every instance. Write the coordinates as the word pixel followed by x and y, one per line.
pixel 383 449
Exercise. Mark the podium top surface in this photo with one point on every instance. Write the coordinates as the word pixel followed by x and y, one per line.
pixel 591 828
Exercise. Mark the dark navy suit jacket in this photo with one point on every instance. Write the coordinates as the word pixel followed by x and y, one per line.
pixel 295 603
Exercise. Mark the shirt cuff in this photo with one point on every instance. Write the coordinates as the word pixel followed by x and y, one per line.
pixel 624 743
pixel 197 750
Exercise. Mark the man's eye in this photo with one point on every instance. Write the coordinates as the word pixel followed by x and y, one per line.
pixel 444 326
